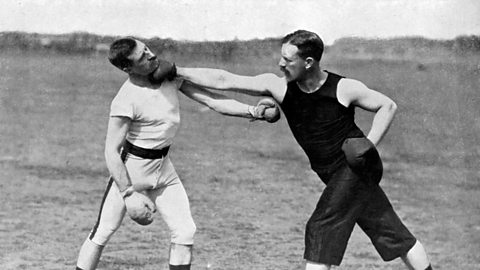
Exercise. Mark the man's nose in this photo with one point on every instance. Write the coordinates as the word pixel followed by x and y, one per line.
pixel 281 63
pixel 152 57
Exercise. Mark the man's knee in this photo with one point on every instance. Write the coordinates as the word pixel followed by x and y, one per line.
pixel 102 234
pixel 324 221
pixel 184 234
pixel 313 236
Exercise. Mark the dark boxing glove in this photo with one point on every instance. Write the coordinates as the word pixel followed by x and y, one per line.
pixel 363 159
pixel 165 70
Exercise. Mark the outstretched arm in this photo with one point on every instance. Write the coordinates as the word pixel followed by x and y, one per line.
pixel 353 92
pixel 267 84
pixel 223 104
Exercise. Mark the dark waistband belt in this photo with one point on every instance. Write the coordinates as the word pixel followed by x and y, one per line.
pixel 128 147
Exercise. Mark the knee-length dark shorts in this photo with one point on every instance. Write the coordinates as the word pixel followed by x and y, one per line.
pixel 352 196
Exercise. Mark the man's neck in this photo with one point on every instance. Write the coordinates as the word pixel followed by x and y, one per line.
pixel 313 81
pixel 141 80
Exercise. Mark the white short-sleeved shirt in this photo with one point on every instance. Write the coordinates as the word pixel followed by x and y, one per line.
pixel 155 113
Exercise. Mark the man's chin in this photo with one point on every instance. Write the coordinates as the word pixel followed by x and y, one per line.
pixel 288 76
pixel 155 65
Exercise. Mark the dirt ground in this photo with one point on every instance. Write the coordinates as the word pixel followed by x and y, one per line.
pixel 249 183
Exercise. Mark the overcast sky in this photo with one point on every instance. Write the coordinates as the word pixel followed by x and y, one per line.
pixel 244 19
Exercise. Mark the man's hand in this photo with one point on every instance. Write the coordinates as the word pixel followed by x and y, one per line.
pixel 140 208
pixel 165 70
pixel 266 109
pixel 363 158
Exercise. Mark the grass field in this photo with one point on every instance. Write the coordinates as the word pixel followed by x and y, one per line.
pixel 249 183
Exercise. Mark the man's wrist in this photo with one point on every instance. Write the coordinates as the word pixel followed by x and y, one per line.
pixel 127 192
pixel 251 111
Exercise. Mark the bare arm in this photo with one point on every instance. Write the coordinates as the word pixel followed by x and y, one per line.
pixel 353 92
pixel 116 133
pixel 267 84
pixel 216 102
pixel 138 206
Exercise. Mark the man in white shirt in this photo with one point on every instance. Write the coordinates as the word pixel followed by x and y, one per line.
pixel 144 118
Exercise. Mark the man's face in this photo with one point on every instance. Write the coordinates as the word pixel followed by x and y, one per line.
pixel 291 64
pixel 143 60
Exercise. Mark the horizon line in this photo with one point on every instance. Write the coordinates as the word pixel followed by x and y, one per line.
pixel 235 39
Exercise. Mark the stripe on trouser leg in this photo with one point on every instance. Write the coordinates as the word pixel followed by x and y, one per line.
pixel 94 230
pixel 123 157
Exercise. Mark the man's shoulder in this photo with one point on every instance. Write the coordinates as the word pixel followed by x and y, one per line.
pixel 273 82
pixel 127 86
pixel 275 85
pixel 334 74
pixel 349 83
pixel 125 91
pixel 349 90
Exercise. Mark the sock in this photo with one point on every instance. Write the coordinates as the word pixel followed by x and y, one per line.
pixel 429 267
pixel 179 267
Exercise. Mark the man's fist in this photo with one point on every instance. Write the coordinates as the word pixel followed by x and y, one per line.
pixel 165 70
pixel 140 208
pixel 363 158
pixel 266 109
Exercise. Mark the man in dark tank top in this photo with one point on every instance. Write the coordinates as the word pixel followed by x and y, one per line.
pixel 320 109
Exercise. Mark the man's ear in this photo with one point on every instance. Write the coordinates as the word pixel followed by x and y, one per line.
pixel 309 62
pixel 127 69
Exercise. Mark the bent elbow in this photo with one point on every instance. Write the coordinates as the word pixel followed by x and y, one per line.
pixel 221 81
pixel 108 155
pixel 392 107
pixel 111 154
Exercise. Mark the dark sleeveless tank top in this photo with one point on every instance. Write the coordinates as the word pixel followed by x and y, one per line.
pixel 320 123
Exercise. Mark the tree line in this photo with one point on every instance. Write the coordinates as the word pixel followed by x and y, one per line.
pixel 86 43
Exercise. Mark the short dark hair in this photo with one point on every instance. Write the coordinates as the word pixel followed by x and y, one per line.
pixel 308 43
pixel 120 49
